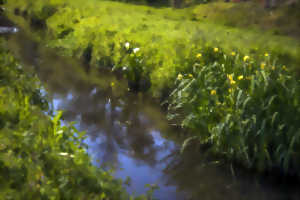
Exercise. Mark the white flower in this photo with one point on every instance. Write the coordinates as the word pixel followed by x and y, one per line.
pixel 124 68
pixel 127 45
pixel 63 154
pixel 66 154
pixel 135 50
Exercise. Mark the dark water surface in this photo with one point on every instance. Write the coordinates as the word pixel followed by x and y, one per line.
pixel 129 132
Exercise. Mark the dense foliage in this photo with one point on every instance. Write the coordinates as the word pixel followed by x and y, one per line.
pixel 235 98
pixel 39 157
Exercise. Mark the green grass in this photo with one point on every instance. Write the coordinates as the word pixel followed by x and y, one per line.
pixel 252 15
pixel 165 35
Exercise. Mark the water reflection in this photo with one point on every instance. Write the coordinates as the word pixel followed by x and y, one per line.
pixel 126 131
pixel 121 134
pixel 7 30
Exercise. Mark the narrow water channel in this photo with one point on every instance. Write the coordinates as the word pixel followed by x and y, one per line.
pixel 129 133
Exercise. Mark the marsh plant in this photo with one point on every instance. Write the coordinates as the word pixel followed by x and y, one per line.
pixel 246 109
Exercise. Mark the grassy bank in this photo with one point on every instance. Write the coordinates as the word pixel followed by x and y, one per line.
pixel 166 37
pixel 39 157
pixel 252 15
pixel 234 89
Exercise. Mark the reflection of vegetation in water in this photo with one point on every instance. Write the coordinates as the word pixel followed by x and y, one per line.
pixel 200 175
pixel 120 123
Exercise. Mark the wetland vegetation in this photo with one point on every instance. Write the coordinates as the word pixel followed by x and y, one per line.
pixel 231 85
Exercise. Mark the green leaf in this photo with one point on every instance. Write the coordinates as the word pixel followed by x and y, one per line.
pixel 246 102
pixel 274 116
pixel 239 98
pixel 271 101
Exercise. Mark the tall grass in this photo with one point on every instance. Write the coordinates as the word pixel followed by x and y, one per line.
pixel 246 109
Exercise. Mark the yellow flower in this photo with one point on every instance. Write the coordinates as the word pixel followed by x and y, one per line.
pixel 230 90
pixel 266 55
pixel 233 53
pixel 216 49
pixel 284 67
pixel 262 65
pixel 213 92
pixel 191 75
pixel 246 58
pixel 230 76
pixel 179 77
pixel 240 77
pixel 273 68
pixel 199 55
pixel 112 84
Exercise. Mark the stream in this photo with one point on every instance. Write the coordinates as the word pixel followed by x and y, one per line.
pixel 130 134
